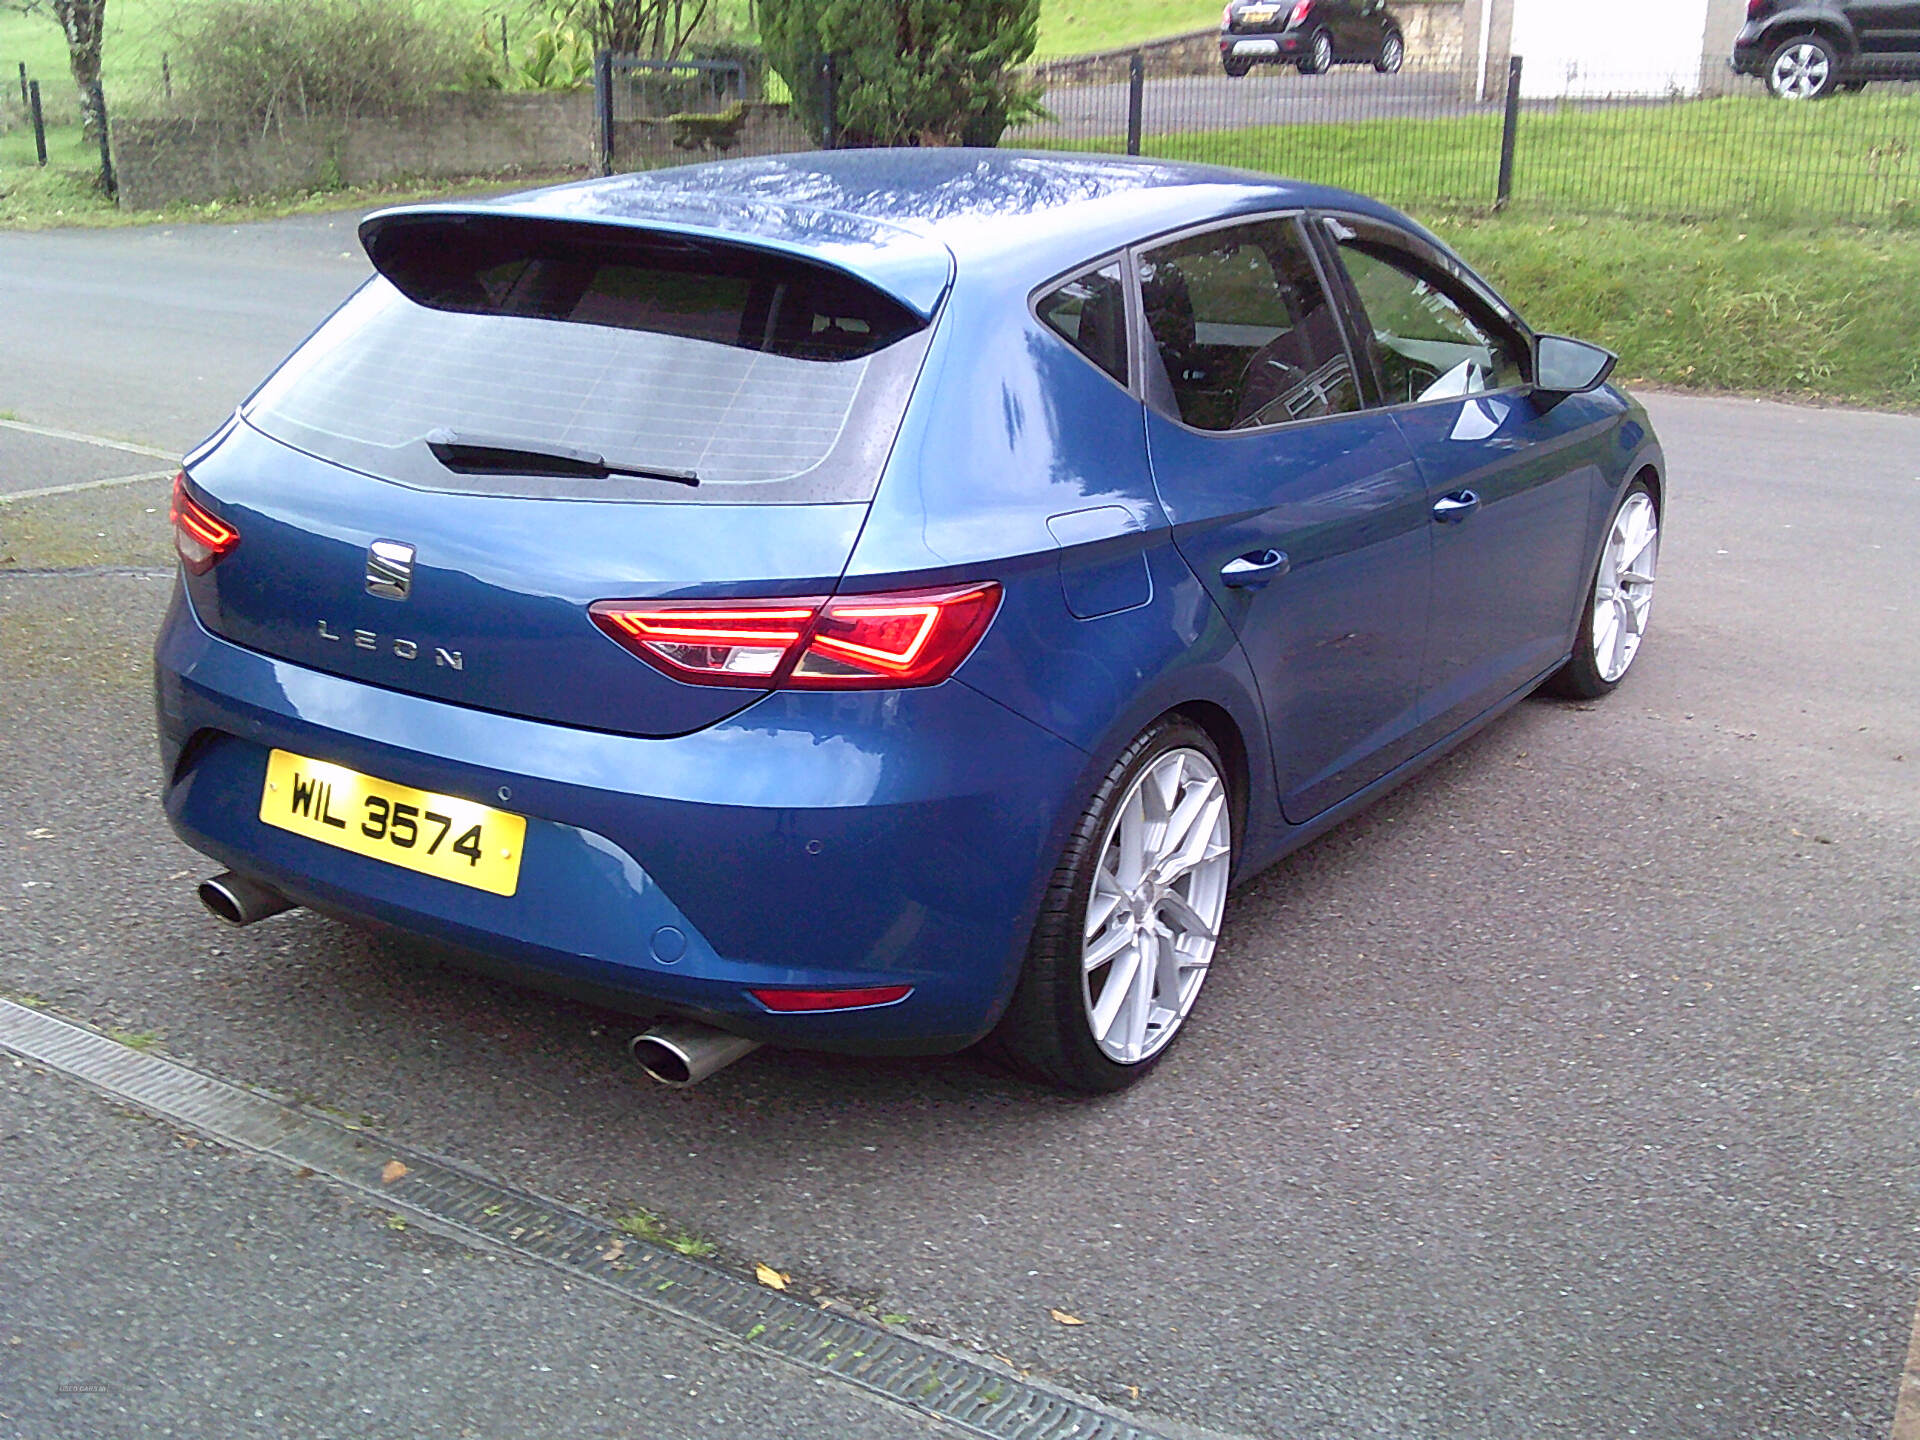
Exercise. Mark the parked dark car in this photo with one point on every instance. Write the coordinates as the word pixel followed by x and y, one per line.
pixel 1805 49
pixel 877 600
pixel 1314 35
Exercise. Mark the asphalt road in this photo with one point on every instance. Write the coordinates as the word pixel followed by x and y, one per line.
pixel 1569 1091
pixel 1269 95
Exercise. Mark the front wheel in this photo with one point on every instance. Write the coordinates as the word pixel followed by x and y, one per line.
pixel 1130 921
pixel 1804 68
pixel 1614 621
pixel 1393 53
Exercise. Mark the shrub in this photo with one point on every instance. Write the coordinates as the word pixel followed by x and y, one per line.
pixel 264 61
pixel 908 72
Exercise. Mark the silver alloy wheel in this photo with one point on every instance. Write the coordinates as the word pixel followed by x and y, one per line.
pixel 1153 918
pixel 1391 54
pixel 1322 53
pixel 1799 71
pixel 1623 591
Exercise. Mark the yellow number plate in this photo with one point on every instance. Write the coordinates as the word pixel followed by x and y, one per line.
pixel 436 835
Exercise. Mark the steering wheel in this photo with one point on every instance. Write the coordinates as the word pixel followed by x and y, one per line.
pixel 1266 378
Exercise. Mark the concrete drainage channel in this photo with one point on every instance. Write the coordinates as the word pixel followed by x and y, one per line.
pixel 902 1368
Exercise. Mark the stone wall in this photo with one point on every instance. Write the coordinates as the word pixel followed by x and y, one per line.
pixel 1434 31
pixel 181 161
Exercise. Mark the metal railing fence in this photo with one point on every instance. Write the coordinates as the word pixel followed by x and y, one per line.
pixel 1640 145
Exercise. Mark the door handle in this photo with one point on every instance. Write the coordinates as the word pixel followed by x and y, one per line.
pixel 1254 569
pixel 1452 509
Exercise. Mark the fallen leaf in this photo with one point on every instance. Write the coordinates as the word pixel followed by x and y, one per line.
pixel 770 1277
pixel 615 1250
pixel 1064 1318
pixel 391 1171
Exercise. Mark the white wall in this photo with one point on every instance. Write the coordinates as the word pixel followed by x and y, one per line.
pixel 1585 47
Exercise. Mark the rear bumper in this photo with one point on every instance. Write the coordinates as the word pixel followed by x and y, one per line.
pixel 812 841
pixel 1261 45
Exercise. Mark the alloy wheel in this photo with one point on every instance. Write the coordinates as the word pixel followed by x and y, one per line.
pixel 1153 917
pixel 1800 71
pixel 1623 591
pixel 1322 53
pixel 1392 52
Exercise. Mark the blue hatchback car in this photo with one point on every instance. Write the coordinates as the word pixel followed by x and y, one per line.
pixel 878 601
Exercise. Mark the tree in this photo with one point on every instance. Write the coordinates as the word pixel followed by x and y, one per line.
pixel 907 72
pixel 83 21
pixel 655 28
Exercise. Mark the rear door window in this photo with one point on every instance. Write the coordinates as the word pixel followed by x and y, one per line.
pixel 1244 329
pixel 764 378
pixel 1089 312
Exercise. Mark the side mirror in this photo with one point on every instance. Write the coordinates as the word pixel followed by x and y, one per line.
pixel 1563 367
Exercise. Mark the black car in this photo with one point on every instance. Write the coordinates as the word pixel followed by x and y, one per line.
pixel 1804 49
pixel 1315 35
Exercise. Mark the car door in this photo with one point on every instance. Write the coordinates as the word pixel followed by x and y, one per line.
pixel 1513 485
pixel 1342 19
pixel 1300 510
pixel 1887 29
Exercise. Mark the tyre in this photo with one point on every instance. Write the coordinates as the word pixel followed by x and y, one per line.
pixel 1236 68
pixel 1619 601
pixel 1393 54
pixel 1130 920
pixel 1807 67
pixel 1319 57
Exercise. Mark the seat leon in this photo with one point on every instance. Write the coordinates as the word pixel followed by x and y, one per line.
pixel 879 601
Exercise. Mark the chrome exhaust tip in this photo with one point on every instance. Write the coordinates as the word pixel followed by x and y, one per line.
pixel 682 1053
pixel 240 901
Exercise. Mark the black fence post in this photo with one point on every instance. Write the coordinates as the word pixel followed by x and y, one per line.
pixel 1136 99
pixel 23 82
pixel 1508 133
pixel 829 103
pixel 603 107
pixel 108 184
pixel 39 120
pixel 166 75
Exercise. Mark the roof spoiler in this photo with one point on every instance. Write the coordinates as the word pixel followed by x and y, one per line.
pixel 909 268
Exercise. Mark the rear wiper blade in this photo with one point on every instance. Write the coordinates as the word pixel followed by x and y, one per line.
pixel 484 455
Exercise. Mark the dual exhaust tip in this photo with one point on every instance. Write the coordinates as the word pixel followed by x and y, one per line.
pixel 678 1053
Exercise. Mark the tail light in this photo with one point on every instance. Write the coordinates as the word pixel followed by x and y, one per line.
pixel 800 1000
pixel 201 537
pixel 1756 8
pixel 1300 14
pixel 851 642
pixel 1226 16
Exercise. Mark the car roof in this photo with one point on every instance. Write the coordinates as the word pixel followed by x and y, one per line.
pixel 903 218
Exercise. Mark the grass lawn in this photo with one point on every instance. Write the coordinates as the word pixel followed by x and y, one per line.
pixel 1802 312
pixel 1854 158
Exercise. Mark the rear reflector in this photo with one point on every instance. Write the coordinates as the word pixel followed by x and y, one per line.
pixel 851 642
pixel 791 1000
pixel 201 537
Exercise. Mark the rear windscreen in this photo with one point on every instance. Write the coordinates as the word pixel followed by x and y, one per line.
pixel 763 377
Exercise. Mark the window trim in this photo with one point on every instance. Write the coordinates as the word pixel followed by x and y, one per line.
pixel 1156 386
pixel 1129 303
pixel 1445 273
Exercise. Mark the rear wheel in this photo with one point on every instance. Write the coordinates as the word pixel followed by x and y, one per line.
pixel 1804 68
pixel 1393 53
pixel 1131 917
pixel 1618 603
pixel 1236 68
pixel 1319 57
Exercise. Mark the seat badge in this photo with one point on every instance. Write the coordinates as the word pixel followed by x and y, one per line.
pixel 390 569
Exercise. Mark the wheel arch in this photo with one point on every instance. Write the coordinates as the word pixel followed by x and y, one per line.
pixel 1820 24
